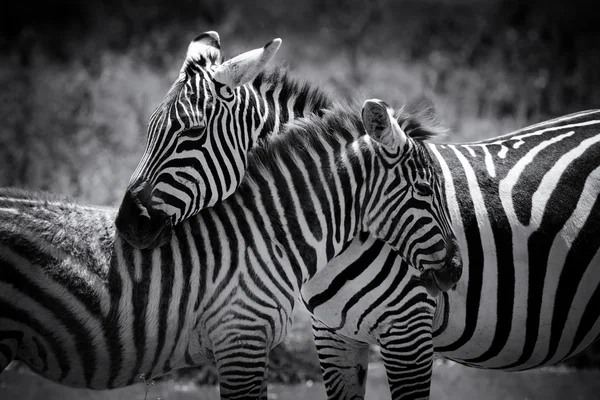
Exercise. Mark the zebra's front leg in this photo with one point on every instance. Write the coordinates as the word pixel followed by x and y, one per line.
pixel 344 363
pixel 242 362
pixel 407 354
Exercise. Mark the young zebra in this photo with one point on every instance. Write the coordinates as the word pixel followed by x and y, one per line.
pixel 523 205
pixel 84 308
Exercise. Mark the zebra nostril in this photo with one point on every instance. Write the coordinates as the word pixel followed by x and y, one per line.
pixel 141 194
pixel 138 224
pixel 132 214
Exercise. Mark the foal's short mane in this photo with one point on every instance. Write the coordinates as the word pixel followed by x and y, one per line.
pixel 22 198
pixel 305 93
pixel 337 126
pixel 340 123
pixel 11 193
pixel 421 124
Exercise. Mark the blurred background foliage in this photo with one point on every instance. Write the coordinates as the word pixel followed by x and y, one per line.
pixel 79 79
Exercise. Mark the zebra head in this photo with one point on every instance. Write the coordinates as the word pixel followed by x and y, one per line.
pixel 197 145
pixel 408 208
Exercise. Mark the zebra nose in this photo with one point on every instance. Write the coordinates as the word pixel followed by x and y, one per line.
pixel 449 276
pixel 137 223
pixel 446 278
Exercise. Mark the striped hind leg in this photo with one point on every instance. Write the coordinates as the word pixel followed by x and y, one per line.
pixel 407 354
pixel 344 363
pixel 9 346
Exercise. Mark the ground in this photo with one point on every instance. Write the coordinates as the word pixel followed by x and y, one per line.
pixel 294 375
pixel 450 381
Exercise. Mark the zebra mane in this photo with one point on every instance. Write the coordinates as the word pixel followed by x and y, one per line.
pixel 19 198
pixel 421 124
pixel 279 76
pixel 308 96
pixel 12 193
pixel 273 76
pixel 339 124
pixel 304 136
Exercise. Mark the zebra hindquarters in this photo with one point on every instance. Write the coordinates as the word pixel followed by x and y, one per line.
pixel 9 346
pixel 407 353
pixel 344 363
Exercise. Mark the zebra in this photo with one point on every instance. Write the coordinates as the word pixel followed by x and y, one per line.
pixel 84 308
pixel 511 310
pixel 191 178
pixel 525 209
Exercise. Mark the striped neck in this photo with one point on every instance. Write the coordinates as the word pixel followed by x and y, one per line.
pixel 279 99
pixel 302 197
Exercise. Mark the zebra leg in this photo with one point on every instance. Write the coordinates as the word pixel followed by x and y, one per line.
pixel 344 363
pixel 242 363
pixel 9 345
pixel 407 354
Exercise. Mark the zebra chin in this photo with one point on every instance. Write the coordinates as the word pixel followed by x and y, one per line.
pixel 140 226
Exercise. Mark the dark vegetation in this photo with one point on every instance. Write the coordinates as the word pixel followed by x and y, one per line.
pixel 79 79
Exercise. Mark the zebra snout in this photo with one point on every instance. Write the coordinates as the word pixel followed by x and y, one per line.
pixel 137 223
pixel 449 276
pixel 442 280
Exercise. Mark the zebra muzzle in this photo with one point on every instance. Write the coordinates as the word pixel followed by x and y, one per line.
pixel 443 280
pixel 140 226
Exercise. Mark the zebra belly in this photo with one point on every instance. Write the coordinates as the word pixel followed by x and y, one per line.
pixel 551 319
pixel 508 358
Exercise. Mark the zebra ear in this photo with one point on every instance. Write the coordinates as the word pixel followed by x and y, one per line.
pixel 381 125
pixel 244 68
pixel 206 46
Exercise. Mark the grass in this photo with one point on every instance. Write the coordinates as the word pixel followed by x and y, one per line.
pixel 450 381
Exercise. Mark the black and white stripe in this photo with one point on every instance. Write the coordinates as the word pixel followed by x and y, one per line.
pixel 84 308
pixel 207 112
pixel 528 206
pixel 524 209
pixel 526 212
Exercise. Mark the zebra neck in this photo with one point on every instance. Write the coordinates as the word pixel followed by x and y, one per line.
pixel 283 228
pixel 294 214
pixel 280 99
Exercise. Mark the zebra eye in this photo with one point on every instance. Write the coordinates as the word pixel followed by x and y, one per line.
pixel 226 93
pixel 194 132
pixel 423 189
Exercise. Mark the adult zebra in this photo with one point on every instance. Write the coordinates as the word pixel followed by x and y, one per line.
pixel 84 308
pixel 525 207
